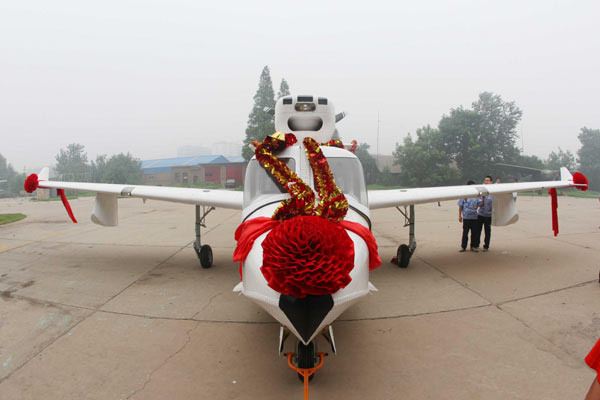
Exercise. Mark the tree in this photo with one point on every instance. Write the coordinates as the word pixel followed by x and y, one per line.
pixel 119 168
pixel 369 164
pixel 72 162
pixel 284 89
pixel 123 168
pixel 98 169
pixel 530 161
pixel 13 184
pixel 6 170
pixel 386 178
pixel 589 155
pixel 561 159
pixel 500 120
pixel 424 162
pixel 260 122
pixel 477 139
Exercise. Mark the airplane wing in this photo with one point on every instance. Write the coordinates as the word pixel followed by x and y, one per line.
pixel 204 197
pixel 405 197
pixel 105 209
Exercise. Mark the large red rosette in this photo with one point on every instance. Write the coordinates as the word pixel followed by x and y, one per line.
pixel 31 183
pixel 307 255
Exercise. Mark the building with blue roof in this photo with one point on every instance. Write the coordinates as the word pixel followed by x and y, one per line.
pixel 194 170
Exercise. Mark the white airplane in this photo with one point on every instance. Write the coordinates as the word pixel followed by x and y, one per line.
pixel 299 290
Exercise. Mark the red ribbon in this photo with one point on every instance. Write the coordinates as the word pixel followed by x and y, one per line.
pixel 552 193
pixel 367 236
pixel 61 193
pixel 247 232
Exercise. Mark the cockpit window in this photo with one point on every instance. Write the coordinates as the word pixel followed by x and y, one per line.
pixel 259 182
pixel 349 177
pixel 347 172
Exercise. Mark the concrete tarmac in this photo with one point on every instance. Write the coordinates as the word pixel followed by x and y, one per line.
pixel 88 312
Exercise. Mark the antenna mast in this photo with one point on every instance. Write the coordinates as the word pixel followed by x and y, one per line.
pixel 377 138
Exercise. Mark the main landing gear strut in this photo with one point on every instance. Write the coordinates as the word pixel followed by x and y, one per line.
pixel 204 252
pixel 405 252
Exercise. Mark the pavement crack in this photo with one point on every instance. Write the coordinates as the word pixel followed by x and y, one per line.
pixel 181 348
pixel 208 303
pixel 490 302
pixel 93 309
pixel 547 292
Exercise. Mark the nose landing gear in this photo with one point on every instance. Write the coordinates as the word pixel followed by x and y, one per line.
pixel 306 355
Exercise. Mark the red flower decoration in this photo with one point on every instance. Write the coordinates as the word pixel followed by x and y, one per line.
pixel 579 178
pixel 307 255
pixel 31 183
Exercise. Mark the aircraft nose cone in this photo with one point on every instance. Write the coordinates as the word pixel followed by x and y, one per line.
pixel 306 314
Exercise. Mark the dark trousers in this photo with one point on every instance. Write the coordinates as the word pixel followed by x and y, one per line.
pixel 469 225
pixel 486 223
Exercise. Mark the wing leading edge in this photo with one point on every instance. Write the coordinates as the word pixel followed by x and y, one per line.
pixel 105 208
pixel 405 197
pixel 204 197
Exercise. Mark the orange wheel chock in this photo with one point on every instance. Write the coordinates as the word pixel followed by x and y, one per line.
pixel 306 372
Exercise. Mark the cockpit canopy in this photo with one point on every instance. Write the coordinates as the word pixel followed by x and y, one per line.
pixel 347 172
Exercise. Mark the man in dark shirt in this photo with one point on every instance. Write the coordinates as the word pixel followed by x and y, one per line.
pixel 467 214
pixel 484 218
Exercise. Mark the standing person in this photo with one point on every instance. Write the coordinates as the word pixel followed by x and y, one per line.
pixel 497 180
pixel 467 214
pixel 484 219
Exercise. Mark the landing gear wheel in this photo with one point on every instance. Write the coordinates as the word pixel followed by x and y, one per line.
pixel 306 358
pixel 205 256
pixel 403 256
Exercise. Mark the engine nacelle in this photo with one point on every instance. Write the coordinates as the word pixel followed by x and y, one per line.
pixel 306 116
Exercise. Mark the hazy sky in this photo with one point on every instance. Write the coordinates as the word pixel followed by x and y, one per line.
pixel 149 76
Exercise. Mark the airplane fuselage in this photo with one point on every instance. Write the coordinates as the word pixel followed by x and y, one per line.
pixel 306 317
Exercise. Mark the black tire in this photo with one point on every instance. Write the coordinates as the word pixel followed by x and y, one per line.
pixel 403 256
pixel 206 256
pixel 306 358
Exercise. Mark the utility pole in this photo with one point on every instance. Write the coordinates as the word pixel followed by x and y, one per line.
pixel 377 139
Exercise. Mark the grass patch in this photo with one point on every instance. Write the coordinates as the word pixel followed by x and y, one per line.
pixel 8 218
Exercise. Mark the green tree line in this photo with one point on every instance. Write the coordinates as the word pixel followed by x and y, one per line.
pixel 11 182
pixel 469 142
pixel 72 165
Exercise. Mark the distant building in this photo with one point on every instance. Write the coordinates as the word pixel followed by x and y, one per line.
pixel 227 149
pixel 387 161
pixel 194 170
pixel 190 151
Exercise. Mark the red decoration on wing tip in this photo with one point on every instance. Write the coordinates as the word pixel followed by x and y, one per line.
pixel 579 178
pixel 31 183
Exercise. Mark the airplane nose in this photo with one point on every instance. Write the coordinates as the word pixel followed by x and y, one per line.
pixel 306 314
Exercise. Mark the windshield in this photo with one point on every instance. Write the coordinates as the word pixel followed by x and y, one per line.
pixel 349 177
pixel 259 182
